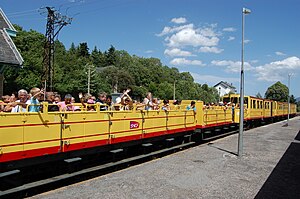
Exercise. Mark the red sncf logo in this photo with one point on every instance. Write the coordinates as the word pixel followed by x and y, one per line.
pixel 134 125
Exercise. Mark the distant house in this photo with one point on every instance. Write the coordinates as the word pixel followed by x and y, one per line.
pixel 9 55
pixel 224 88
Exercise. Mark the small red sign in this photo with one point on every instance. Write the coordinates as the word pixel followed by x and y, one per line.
pixel 134 125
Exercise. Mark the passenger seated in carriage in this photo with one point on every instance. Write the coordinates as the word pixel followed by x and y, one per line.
pixel 66 105
pixel 192 106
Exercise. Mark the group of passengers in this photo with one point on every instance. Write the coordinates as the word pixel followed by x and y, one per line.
pixel 31 102
pixel 225 105
pixel 20 103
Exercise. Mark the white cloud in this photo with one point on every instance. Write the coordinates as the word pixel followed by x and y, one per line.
pixel 280 53
pixel 278 70
pixel 206 49
pixel 230 29
pixel 149 51
pixel 212 79
pixel 232 66
pixel 246 41
pixel 231 38
pixel 169 30
pixel 191 37
pixel 179 20
pixel 254 61
pixel 184 62
pixel 207 32
pixel 177 52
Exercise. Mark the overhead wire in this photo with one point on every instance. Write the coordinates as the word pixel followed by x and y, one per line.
pixel 36 10
pixel 115 4
pixel 69 7
pixel 21 12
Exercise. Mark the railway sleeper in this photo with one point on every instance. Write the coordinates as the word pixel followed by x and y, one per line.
pixel 218 130
pixel 116 154
pixel 72 160
pixel 187 138
pixel 225 128
pixel 147 147
pixel 8 173
pixel 206 133
pixel 10 178
pixel 73 164
pixel 170 142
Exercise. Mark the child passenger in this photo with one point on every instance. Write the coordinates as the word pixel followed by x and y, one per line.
pixel 192 106
pixel 166 105
pixel 34 100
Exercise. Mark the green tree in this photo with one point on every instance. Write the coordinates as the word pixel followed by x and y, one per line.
pixel 110 56
pixel 165 90
pixel 278 92
pixel 258 95
pixel 83 50
pixel 97 58
pixel 292 99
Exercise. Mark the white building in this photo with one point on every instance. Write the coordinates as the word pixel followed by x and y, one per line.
pixel 224 88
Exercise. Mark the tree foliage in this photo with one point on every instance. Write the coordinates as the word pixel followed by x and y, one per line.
pixel 111 70
pixel 258 95
pixel 278 92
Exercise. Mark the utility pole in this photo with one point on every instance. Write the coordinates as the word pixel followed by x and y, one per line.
pixel 241 125
pixel 174 91
pixel 89 78
pixel 55 22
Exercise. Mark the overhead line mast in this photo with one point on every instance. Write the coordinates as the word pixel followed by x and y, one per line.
pixel 55 22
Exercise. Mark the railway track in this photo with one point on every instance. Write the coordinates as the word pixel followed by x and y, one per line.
pixel 75 170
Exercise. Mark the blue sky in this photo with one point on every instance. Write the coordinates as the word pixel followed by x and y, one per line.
pixel 202 37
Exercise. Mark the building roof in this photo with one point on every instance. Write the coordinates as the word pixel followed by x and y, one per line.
pixel 9 55
pixel 225 85
pixel 4 22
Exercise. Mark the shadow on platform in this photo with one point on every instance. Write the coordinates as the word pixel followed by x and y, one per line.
pixel 211 145
pixel 297 136
pixel 284 181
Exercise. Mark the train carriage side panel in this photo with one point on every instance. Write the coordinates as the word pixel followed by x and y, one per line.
pixel 279 109
pixel 286 108
pixel 73 131
pixel 217 116
pixel 176 121
pixel 191 119
pixel 293 109
pixel 125 126
pixel 41 134
pixel 96 128
pixel 267 111
pixel 256 108
pixel 199 115
pixel 235 98
pixel 274 108
pixel 11 136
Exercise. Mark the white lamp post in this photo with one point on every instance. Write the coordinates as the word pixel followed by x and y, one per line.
pixel 241 125
pixel 289 108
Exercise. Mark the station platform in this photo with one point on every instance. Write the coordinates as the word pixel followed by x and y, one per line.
pixel 269 168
